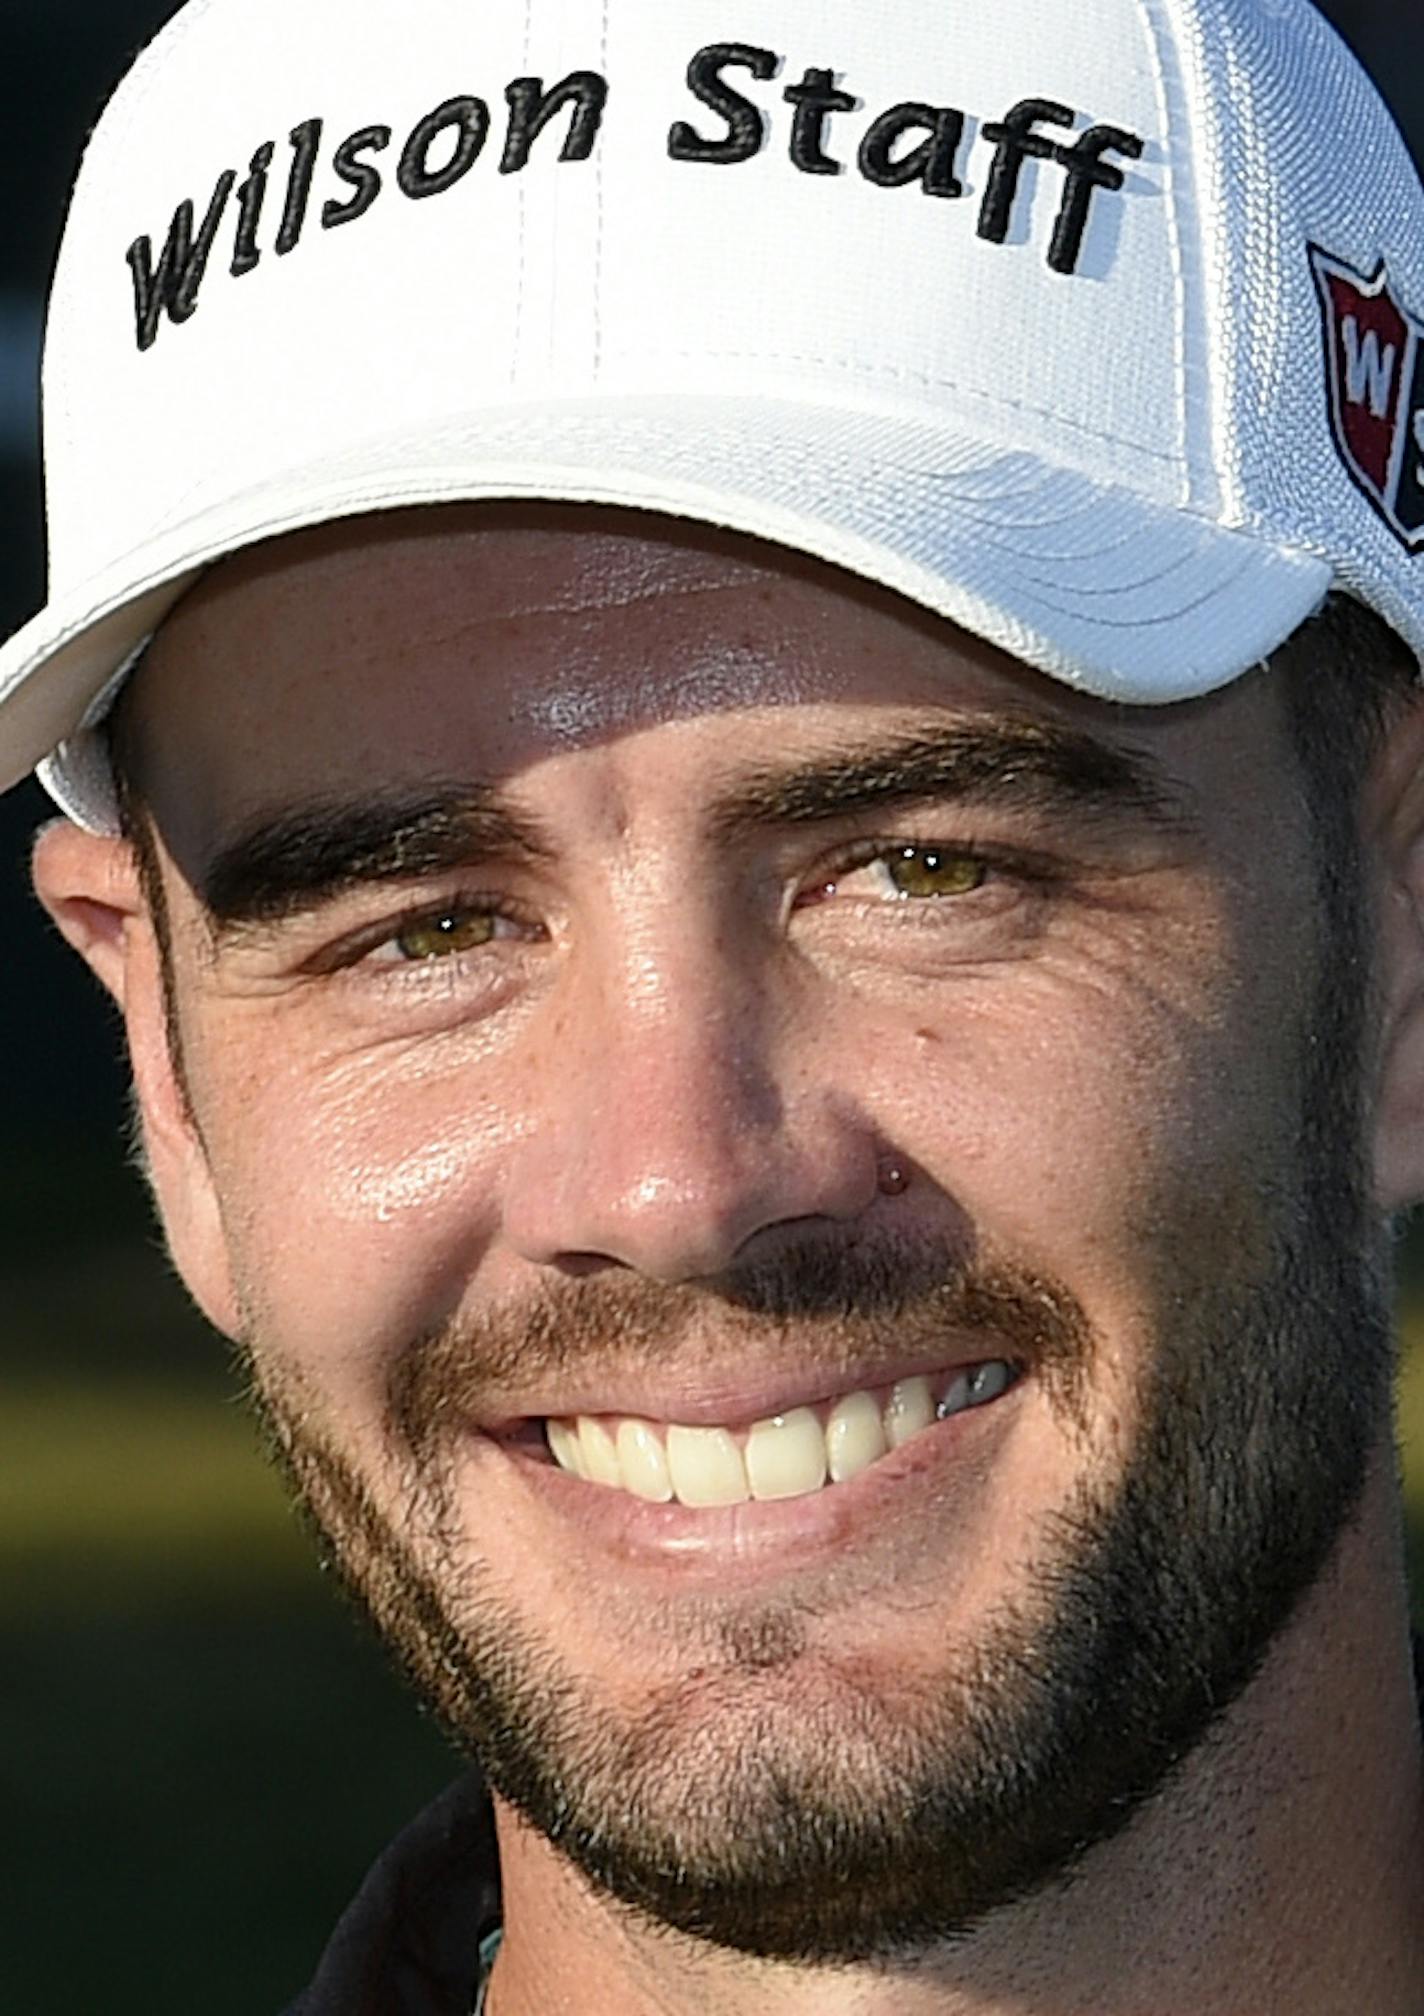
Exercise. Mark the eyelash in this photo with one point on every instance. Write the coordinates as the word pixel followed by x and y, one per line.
pixel 999 865
pixel 361 947
pixel 818 887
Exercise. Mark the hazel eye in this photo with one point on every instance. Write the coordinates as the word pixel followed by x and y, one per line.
pixel 932 871
pixel 443 936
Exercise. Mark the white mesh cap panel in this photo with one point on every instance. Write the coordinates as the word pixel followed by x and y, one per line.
pixel 1305 156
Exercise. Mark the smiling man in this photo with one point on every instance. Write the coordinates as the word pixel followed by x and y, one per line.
pixel 750 775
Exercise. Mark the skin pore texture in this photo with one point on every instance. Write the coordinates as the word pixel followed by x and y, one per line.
pixel 568 917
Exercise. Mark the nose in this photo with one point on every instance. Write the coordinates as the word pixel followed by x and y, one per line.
pixel 681 1110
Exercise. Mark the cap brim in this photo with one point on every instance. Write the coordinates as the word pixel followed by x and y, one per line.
pixel 1128 599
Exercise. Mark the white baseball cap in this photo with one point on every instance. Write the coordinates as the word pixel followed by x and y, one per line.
pixel 1095 328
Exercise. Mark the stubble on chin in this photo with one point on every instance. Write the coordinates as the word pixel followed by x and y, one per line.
pixel 775 1800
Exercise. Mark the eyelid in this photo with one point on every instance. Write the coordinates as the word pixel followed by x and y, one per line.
pixel 356 946
pixel 1023 864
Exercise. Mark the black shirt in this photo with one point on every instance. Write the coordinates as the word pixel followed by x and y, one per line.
pixel 409 1943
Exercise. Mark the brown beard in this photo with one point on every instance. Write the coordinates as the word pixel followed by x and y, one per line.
pixel 843 1822
pixel 829 1305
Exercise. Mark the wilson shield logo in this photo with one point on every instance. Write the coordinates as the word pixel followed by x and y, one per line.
pixel 1375 372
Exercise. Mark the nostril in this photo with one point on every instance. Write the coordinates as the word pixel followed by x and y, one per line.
pixel 673 1191
pixel 580 1266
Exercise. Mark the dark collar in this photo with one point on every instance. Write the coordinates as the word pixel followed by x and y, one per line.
pixel 409 1943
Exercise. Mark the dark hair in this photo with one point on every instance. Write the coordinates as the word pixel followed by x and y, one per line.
pixel 137 828
pixel 1347 676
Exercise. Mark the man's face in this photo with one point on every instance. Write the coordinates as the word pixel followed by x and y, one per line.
pixel 573 921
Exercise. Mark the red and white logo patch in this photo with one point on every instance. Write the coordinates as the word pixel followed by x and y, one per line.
pixel 1374 360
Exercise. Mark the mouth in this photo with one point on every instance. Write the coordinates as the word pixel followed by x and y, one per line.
pixel 794 1454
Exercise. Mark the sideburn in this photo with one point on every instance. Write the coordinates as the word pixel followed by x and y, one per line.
pixel 137 829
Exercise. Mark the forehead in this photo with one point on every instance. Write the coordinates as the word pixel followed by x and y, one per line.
pixel 476 641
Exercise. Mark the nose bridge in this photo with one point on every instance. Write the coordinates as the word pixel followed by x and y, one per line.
pixel 666 1130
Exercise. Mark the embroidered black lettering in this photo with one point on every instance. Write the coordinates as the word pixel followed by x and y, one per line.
pixel 746 130
pixel 531 108
pixel 1087 173
pixel 1015 142
pixel 816 97
pixel 931 164
pixel 306 140
pixel 175 284
pixel 252 195
pixel 469 120
pixel 363 177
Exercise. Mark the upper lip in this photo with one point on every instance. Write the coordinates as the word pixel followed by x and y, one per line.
pixel 734 1395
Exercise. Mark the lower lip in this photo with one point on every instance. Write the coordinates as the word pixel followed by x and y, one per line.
pixel 940 1460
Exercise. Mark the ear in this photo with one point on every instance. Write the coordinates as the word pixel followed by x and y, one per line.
pixel 1396 825
pixel 91 887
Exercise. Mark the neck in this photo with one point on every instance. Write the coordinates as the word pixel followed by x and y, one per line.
pixel 1280 1871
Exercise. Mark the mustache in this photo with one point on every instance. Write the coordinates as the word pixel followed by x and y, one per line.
pixel 836 1304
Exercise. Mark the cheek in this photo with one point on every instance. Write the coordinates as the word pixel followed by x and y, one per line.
pixel 1114 1153
pixel 1099 1119
pixel 358 1196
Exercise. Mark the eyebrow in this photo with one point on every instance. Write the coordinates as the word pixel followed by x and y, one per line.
pixel 1020 764
pixel 290 863
pixel 281 866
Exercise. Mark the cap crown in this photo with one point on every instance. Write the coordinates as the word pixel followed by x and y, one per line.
pixel 1052 272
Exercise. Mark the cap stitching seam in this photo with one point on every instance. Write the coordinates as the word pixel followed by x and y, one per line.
pixel 522 197
pixel 1165 35
pixel 600 215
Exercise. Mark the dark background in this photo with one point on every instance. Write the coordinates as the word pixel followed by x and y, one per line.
pixel 199 1751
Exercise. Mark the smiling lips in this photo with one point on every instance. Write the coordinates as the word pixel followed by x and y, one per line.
pixel 787 1456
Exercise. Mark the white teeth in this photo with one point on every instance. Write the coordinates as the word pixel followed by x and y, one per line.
pixel 788 1456
pixel 706 1467
pixel 643 1461
pixel 909 1410
pixel 855 1437
pixel 568 1451
pixel 600 1457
